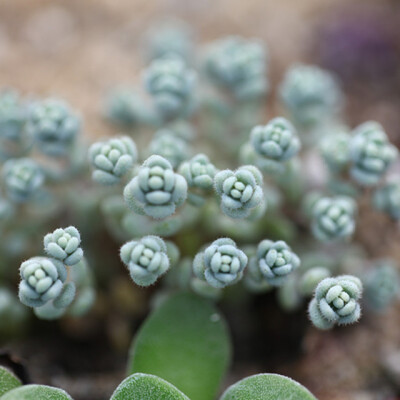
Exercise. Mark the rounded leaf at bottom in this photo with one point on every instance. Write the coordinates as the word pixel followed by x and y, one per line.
pixel 146 387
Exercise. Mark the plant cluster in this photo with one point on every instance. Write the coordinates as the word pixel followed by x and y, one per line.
pixel 202 188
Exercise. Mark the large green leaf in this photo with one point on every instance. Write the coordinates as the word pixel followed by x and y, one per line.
pixel 36 392
pixel 146 387
pixel 8 381
pixel 267 387
pixel 186 342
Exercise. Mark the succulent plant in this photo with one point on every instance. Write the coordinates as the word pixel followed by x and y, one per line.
pixel 240 190
pixel 171 84
pixel 13 115
pixel 124 107
pixel 23 178
pixel 335 151
pixel 112 159
pixel 371 153
pixel 273 262
pixel 168 145
pixel 42 280
pixel 333 218
pixel 238 65
pixel 310 94
pixel 277 140
pixel 146 259
pixel 221 264
pixel 156 190
pixel 199 172
pixel 64 245
pixel 336 301
pixel 387 199
pixel 382 285
pixel 54 126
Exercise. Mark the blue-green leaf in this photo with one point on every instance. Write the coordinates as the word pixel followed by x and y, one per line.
pixel 36 392
pixel 8 381
pixel 267 387
pixel 185 341
pixel 146 387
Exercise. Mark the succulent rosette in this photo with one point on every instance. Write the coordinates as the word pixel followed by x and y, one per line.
pixel 310 94
pixel 387 199
pixel 171 83
pixel 240 191
pixel 42 280
pixel 277 140
pixel 54 125
pixel 273 262
pixel 238 65
pixel 156 190
pixel 64 245
pixel 333 218
pixel 146 259
pixel 112 159
pixel 371 153
pixel 221 264
pixel 336 301
pixel 23 178
pixel 170 146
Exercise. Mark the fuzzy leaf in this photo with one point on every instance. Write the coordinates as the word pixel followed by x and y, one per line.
pixel 267 387
pixel 8 381
pixel 36 392
pixel 146 387
pixel 185 341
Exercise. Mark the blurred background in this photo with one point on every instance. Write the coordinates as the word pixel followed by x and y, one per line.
pixel 77 50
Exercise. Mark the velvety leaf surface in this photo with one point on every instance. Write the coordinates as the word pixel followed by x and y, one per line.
pixel 8 381
pixel 146 387
pixel 267 387
pixel 186 342
pixel 36 392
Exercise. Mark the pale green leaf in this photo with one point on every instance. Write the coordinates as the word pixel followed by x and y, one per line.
pixel 146 387
pixel 267 387
pixel 36 392
pixel 185 341
pixel 8 381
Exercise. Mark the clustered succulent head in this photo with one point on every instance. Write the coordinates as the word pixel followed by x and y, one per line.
pixel 221 264
pixel 156 190
pixel 336 301
pixel 146 259
pixel 310 94
pixel 277 140
pixel 371 153
pixel 112 159
pixel 170 146
pixel 22 178
pixel 42 280
pixel 387 199
pixel 335 151
pixel 64 245
pixel 333 218
pixel 238 65
pixel 124 107
pixel 54 126
pixel 171 84
pixel 382 285
pixel 199 172
pixel 273 262
pixel 240 191
pixel 13 115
